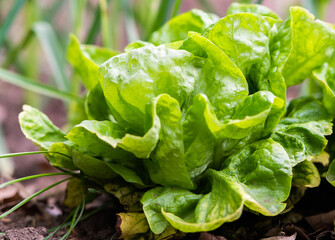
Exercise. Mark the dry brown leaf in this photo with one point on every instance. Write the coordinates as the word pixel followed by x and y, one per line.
pixel 321 220
pixel 9 194
pixel 208 236
pixel 292 237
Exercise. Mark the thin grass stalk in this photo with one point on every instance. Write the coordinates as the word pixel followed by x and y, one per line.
pixel 131 29
pixel 26 83
pixel 105 27
pixel 115 20
pixel 10 19
pixel 77 12
pixel 162 15
pixel 54 53
pixel 13 53
pixel 20 204
pixel 50 13
pixel 67 224
pixel 207 6
pixel 34 177
pixel 30 58
pixel 95 27
pixel 176 8
pixel 75 219
pixel 6 165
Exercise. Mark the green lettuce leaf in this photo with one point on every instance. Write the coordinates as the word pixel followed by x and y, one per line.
pixel 199 141
pixel 220 80
pixel 325 76
pixel 305 174
pixel 137 44
pixel 302 132
pixel 60 155
pixel 93 167
pixel 331 173
pixel 86 60
pixel 175 200
pixel 258 176
pixel 103 135
pixel 166 165
pixel 223 204
pixel 251 8
pixel 264 171
pixel 38 128
pixel 178 27
pixel 305 44
pixel 96 106
pixel 266 75
pixel 244 37
pixel 108 137
pixel 133 79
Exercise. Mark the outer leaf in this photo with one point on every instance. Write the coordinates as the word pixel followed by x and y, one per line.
pixel 173 200
pixel 325 76
pixel 331 173
pixel 305 174
pixel 166 165
pixel 223 204
pixel 178 27
pixel 37 127
pixel 199 142
pixel 126 173
pixel 311 43
pixel 93 167
pixel 244 37
pixel 266 75
pixel 96 106
pixel 258 176
pixel 60 155
pixel 302 131
pixel 264 171
pixel 104 136
pixel 137 44
pixel 86 60
pixel 133 79
pixel 254 118
pixel 251 8
pixel 230 84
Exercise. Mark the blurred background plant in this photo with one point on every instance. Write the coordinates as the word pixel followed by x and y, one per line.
pixel 33 41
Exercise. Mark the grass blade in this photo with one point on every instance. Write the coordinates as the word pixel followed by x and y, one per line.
pixel 20 204
pixel 207 6
pixel 9 19
pixel 106 29
pixel 13 53
pixel 77 13
pixel 63 225
pixel 131 29
pixel 53 51
pixel 75 220
pixel 6 165
pixel 95 27
pixel 33 177
pixel 163 13
pixel 50 13
pixel 176 8
pixel 22 154
pixel 26 83
pixel 67 224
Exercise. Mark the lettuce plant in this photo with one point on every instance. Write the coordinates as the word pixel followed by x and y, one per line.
pixel 196 120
